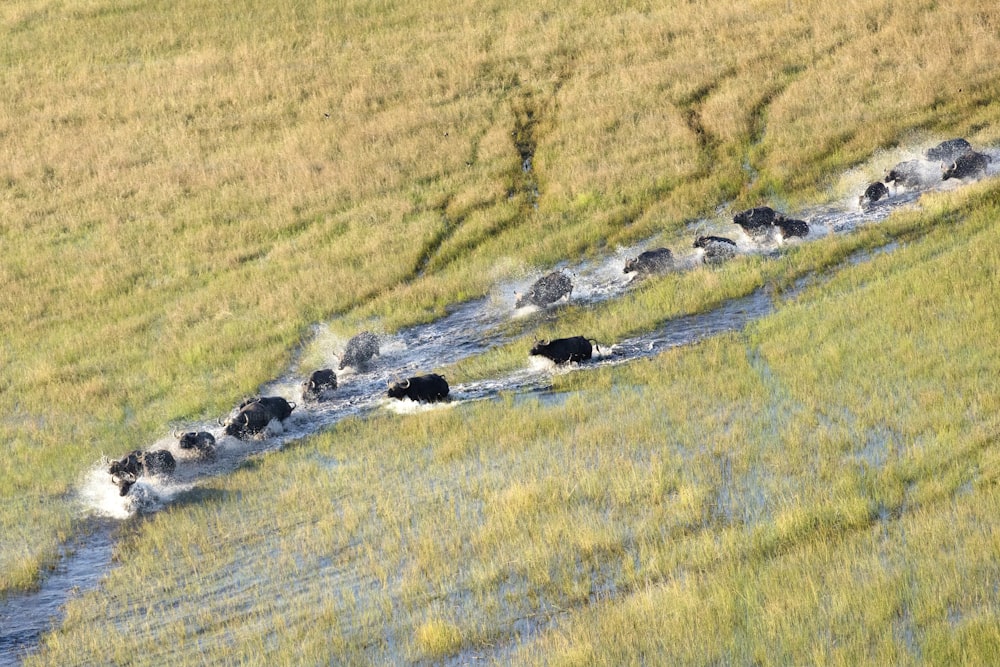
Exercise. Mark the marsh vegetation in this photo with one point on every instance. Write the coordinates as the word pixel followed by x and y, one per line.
pixel 191 191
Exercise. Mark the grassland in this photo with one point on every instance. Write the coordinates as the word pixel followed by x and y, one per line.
pixel 186 187
pixel 818 489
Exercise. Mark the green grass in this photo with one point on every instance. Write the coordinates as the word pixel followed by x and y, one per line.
pixel 186 189
pixel 784 495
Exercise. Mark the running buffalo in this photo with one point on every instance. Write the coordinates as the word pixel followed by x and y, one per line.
pixel 319 386
pixel 650 262
pixel 908 174
pixel 202 442
pixel 421 388
pixel 255 414
pixel 948 151
pixel 561 350
pixel 787 227
pixel 127 470
pixel 967 165
pixel 756 222
pixel 545 290
pixel 874 192
pixel 360 350
pixel 717 248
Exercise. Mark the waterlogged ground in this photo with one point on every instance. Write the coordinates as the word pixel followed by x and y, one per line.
pixel 82 563
pixel 470 329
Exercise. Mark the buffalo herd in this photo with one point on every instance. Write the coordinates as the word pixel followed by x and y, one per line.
pixel 955 159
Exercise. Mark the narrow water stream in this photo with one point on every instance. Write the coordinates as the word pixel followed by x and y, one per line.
pixel 82 562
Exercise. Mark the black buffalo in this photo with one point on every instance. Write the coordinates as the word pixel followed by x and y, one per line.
pixel 201 442
pixel 561 350
pixel 908 174
pixel 874 192
pixel 756 222
pixel 948 151
pixel 360 350
pixel 130 464
pixel 787 227
pixel 967 165
pixel 650 262
pixel 127 470
pixel 319 386
pixel 545 290
pixel 421 388
pixel 717 248
pixel 255 414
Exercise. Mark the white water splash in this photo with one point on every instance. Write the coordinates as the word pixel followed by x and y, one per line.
pixel 406 406
pixel 101 497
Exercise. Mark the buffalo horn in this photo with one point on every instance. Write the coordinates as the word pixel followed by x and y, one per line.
pixel 292 405
pixel 407 385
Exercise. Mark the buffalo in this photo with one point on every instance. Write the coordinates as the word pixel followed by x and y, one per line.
pixel 761 222
pixel 756 222
pixel 788 227
pixel 545 290
pixel 126 471
pixel 360 350
pixel 201 442
pixel 130 464
pixel 967 165
pixel 421 388
pixel 561 350
pixel 255 414
pixel 908 174
pixel 319 386
pixel 873 193
pixel 650 262
pixel 948 151
pixel 717 248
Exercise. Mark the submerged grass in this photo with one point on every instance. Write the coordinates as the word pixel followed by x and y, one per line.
pixel 819 488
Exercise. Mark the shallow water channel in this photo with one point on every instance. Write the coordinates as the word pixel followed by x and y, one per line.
pixel 468 329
